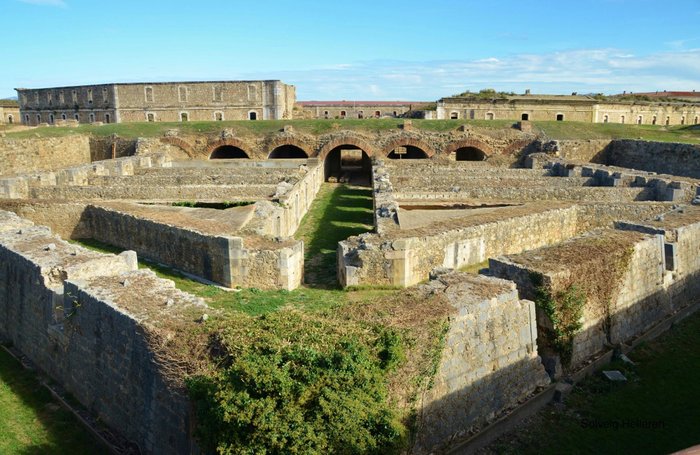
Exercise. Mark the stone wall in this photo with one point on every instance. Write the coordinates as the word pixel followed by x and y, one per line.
pixel 19 156
pixel 489 362
pixel 72 313
pixel 660 157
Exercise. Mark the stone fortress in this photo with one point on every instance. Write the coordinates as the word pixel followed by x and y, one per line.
pixel 275 100
pixel 617 219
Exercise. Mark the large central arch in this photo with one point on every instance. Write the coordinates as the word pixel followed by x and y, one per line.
pixel 348 160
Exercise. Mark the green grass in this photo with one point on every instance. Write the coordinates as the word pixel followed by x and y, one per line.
pixel 582 130
pixel 31 422
pixel 338 212
pixel 663 392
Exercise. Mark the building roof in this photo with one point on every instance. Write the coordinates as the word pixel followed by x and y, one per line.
pixel 665 94
pixel 144 83
pixel 345 103
pixel 9 103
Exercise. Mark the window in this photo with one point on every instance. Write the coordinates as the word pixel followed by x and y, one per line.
pixel 218 116
pixel 471 114
pixel 89 94
pixel 61 97
pixel 92 118
pixel 668 120
pixel 489 116
pixel 377 114
pixel 105 94
pixel 36 97
pixel 182 93
pixel 148 91
pixel 560 117
pixel 107 118
pixel 51 119
pixel 76 117
pixel 695 122
pixel 49 98
pixel 252 92
pixel 622 119
pixel 26 118
pixel 343 114
pixel 361 114
pixel 74 96
pixel 63 117
pixel 395 114
pixel 525 116
pixel 639 120
pixel 605 118
pixel 10 119
pixel 38 118
pixel 150 117
pixel 683 120
pixel 218 93
pixel 325 114
pixel 454 115
pixel 184 117
pixel 252 115
pixel 653 120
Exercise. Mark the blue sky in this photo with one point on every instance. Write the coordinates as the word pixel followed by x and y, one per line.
pixel 381 49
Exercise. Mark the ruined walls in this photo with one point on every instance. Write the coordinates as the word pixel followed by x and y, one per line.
pixel 19 156
pixel 659 157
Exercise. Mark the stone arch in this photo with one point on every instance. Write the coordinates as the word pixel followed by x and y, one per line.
pixel 227 142
pixel 408 141
pixel 453 147
pixel 179 143
pixel 346 139
pixel 280 142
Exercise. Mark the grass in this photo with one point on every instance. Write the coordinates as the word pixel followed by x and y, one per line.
pixel 655 412
pixel 338 212
pixel 583 131
pixel 31 422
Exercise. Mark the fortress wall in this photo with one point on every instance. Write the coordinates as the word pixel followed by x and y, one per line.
pixel 227 260
pixel 105 148
pixel 20 156
pixel 407 261
pixel 298 199
pixel 526 194
pixel 54 310
pixel 489 362
pixel 592 150
pixel 660 157
pixel 64 218
pixel 639 299
pixel 164 193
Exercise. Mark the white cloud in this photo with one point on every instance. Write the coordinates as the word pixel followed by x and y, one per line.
pixel 57 3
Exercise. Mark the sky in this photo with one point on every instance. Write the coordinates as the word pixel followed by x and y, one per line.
pixel 359 49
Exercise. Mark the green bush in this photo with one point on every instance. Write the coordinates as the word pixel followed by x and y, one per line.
pixel 311 390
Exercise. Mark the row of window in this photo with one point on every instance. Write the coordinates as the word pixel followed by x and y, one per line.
pixel 50 96
pixel 454 115
pixel 360 114
pixel 51 118
pixel 654 119
pixel 185 116
pixel 183 93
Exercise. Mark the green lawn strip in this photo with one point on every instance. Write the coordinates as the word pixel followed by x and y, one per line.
pixel 338 212
pixel 585 131
pixel 657 411
pixel 31 422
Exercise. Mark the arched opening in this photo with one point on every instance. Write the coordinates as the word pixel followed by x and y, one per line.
pixel 653 120
pixel 343 114
pixel 454 115
pixel 10 119
pixel 622 119
pixel 525 116
pixel 695 122
pixel 469 154
pixel 407 152
pixel 348 163
pixel 227 152
pixel 51 118
pixel 560 117
pixel 639 120
pixel 26 119
pixel 108 119
pixel 252 115
pixel 287 151
pixel 605 118
pixel 668 120
pixel 63 117
pixel 184 117
pixel 377 114
pixel 490 116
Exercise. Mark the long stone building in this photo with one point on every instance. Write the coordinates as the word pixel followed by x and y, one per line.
pixel 9 112
pixel 158 102
pixel 569 108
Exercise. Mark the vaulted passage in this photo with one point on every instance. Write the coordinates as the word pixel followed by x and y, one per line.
pixel 469 154
pixel 287 152
pixel 227 152
pixel 407 152
pixel 348 163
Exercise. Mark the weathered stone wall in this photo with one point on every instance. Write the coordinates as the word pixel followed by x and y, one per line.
pixel 86 103
pixel 9 115
pixel 489 362
pixel 64 218
pixel 106 148
pixel 660 157
pixel 223 259
pixel 55 309
pixel 638 300
pixel 19 156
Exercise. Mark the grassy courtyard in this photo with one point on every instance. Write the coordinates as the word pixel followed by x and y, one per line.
pixel 655 412
pixel 31 422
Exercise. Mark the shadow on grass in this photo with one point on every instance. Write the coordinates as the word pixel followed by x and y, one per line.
pixel 345 212
pixel 31 422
